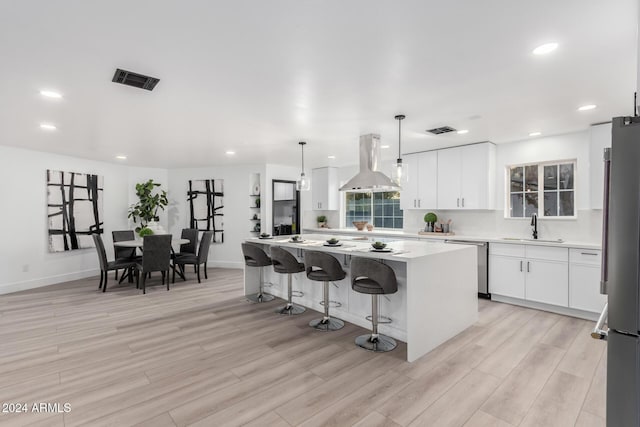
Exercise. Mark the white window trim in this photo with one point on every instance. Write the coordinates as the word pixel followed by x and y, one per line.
pixel 507 190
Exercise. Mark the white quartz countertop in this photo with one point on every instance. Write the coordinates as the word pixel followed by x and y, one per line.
pixel 409 235
pixel 401 250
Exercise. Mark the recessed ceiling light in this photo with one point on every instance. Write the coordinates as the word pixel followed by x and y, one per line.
pixel 545 48
pixel 384 146
pixel 121 157
pixel 331 157
pixel 587 107
pixel 229 152
pixel 47 126
pixel 462 131
pixel 535 134
pixel 50 94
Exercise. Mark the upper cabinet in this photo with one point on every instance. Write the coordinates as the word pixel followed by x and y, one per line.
pixel 419 192
pixel 324 189
pixel 466 177
pixel 600 138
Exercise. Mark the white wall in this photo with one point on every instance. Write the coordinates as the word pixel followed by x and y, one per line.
pixel 586 228
pixel 25 260
pixel 237 187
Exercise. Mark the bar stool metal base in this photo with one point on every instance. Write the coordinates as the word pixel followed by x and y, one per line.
pixel 326 325
pixel 290 309
pixel 257 298
pixel 379 344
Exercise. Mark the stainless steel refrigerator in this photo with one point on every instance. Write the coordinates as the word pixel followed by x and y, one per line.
pixel 621 273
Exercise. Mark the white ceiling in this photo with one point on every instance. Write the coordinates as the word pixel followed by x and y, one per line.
pixel 257 76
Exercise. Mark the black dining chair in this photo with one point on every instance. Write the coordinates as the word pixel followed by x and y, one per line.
pixel 106 266
pixel 190 248
pixel 201 258
pixel 156 256
pixel 124 254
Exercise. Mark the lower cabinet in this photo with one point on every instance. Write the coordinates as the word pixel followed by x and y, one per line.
pixel 551 275
pixel 547 282
pixel 584 288
pixel 506 276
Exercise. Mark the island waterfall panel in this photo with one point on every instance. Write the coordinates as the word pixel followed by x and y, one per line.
pixel 205 199
pixel 74 209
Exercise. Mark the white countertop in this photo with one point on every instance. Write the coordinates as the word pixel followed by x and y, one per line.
pixel 410 235
pixel 402 250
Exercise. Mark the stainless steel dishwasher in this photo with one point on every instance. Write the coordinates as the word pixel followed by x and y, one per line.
pixel 483 265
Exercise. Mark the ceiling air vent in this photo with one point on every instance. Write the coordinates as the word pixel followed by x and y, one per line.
pixel 134 79
pixel 441 130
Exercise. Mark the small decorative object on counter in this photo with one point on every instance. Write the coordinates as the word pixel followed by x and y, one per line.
pixel 379 245
pixel 446 226
pixel 257 202
pixel 369 227
pixel 359 224
pixel 430 219
pixel 322 221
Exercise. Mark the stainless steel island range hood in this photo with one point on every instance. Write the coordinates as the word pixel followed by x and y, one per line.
pixel 369 178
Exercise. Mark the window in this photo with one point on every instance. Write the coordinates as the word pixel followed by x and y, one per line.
pixel 546 189
pixel 382 209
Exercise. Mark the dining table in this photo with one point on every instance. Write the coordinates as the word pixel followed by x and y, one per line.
pixel 138 244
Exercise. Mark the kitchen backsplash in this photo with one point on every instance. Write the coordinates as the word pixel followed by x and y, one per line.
pixel 586 228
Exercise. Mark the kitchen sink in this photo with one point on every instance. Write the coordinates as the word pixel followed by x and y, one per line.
pixel 517 239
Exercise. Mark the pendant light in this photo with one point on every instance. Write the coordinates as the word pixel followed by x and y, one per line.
pixel 400 171
pixel 304 183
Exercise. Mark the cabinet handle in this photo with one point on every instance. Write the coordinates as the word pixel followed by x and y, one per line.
pixel 458 202
pixel 588 253
pixel 521 266
pixel 528 269
pixel 414 203
pixel 418 202
pixel 463 202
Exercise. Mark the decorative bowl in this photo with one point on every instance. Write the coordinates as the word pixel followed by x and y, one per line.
pixel 379 245
pixel 295 238
pixel 265 235
pixel 333 241
pixel 359 224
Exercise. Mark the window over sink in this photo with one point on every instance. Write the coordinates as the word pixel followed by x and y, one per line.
pixel 546 189
pixel 382 209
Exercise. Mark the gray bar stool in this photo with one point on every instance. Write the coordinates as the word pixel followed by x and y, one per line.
pixel 322 267
pixel 254 256
pixel 372 277
pixel 285 263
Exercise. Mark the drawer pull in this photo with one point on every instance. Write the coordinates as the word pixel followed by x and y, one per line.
pixel 588 253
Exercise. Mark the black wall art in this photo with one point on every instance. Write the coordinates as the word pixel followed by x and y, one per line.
pixel 74 209
pixel 206 205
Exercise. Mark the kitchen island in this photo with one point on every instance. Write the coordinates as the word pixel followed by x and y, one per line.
pixel 437 288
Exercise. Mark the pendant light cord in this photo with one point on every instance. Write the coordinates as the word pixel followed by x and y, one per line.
pixel 302 144
pixel 399 118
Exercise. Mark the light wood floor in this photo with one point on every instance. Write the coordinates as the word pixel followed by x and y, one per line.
pixel 201 355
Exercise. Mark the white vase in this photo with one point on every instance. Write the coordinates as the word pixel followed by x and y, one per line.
pixel 156 227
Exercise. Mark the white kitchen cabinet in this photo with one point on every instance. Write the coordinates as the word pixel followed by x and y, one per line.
pixel 600 138
pixel 506 276
pixel 529 272
pixel 419 192
pixel 584 280
pixel 466 177
pixel 325 195
pixel 547 282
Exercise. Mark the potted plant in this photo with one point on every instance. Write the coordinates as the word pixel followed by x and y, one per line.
pixel 430 218
pixel 322 221
pixel 150 200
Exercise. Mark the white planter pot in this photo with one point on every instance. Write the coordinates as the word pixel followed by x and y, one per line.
pixel 156 228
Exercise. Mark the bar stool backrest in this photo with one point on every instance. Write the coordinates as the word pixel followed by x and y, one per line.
pixel 324 261
pixel 254 256
pixel 284 261
pixel 375 271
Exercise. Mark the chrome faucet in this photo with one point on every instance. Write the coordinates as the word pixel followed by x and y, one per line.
pixel 534 225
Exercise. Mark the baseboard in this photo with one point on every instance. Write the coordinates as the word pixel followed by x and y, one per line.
pixel 8 288
pixel 573 312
